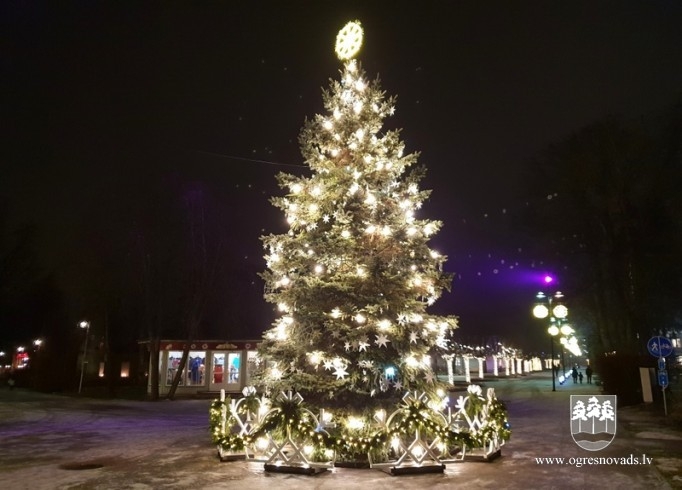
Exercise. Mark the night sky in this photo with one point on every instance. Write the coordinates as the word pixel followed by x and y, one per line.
pixel 99 99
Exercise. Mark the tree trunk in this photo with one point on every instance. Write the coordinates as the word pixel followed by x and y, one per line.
pixel 154 368
pixel 109 372
pixel 179 373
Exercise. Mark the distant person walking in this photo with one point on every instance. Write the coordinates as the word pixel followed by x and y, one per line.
pixel 574 374
pixel 580 376
pixel 588 373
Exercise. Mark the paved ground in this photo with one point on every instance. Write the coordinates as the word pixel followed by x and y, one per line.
pixel 56 442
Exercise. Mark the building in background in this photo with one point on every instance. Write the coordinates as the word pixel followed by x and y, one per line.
pixel 212 365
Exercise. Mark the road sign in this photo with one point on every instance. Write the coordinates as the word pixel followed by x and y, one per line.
pixel 659 346
pixel 663 378
pixel 661 363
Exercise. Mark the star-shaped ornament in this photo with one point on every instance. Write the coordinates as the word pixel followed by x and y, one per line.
pixel 381 340
pixel 428 375
pixel 398 385
pixel 346 346
pixel 341 372
pixel 413 338
pixel 328 365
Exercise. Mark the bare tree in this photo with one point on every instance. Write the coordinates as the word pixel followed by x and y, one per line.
pixel 201 266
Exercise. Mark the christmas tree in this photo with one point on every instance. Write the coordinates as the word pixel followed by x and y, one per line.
pixel 353 276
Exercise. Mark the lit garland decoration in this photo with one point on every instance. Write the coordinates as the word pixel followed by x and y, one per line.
pixel 496 424
pixel 227 441
pixel 231 441
pixel 355 444
pixel 486 417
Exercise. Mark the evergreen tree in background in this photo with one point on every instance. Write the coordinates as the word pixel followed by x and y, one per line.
pixel 354 275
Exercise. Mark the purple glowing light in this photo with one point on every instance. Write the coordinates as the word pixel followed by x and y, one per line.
pixel 548 279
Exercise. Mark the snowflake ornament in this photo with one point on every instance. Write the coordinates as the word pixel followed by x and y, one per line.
pixel 349 41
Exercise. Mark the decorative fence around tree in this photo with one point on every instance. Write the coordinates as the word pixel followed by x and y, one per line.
pixel 421 435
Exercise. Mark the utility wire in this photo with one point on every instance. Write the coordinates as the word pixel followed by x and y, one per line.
pixel 255 160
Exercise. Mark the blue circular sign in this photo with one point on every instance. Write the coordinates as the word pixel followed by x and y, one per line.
pixel 659 346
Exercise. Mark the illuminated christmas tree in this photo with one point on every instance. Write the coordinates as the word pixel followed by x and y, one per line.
pixel 354 275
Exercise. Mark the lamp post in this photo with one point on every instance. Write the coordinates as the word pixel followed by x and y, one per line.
pixel 551 306
pixel 86 325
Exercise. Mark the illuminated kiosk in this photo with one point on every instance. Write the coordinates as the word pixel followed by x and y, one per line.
pixel 212 366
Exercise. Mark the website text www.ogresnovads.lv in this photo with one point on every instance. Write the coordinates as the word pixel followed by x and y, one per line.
pixel 631 460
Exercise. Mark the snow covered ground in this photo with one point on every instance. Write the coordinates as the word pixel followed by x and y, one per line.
pixel 59 442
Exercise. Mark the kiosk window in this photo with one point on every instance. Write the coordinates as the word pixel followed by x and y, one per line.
pixel 195 369
pixel 233 365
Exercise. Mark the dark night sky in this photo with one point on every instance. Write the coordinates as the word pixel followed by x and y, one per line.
pixel 99 98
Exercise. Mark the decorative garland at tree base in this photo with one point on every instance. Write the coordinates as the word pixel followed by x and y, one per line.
pixel 479 422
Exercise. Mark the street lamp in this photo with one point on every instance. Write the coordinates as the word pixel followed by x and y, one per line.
pixel 86 325
pixel 551 306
